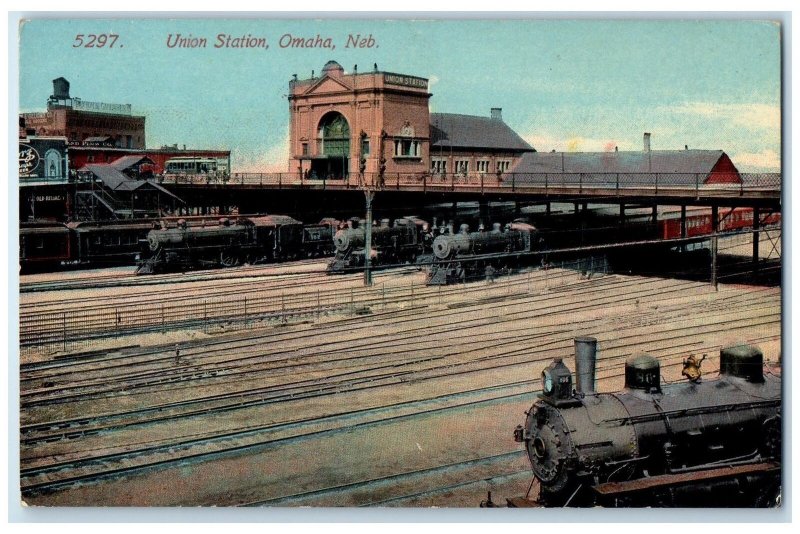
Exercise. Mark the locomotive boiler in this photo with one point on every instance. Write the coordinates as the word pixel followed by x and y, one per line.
pixel 401 242
pixel 468 255
pixel 709 442
pixel 228 243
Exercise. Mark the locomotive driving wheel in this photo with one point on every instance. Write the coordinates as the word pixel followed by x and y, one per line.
pixel 229 258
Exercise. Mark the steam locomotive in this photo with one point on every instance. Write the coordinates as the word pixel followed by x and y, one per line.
pixel 461 256
pixel 259 239
pixel 714 442
pixel 401 242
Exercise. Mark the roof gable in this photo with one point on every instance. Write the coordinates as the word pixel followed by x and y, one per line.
pixel 327 84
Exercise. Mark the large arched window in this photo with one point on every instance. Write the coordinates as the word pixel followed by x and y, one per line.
pixel 334 132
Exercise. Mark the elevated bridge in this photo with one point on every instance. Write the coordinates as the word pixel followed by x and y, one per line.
pixel 680 189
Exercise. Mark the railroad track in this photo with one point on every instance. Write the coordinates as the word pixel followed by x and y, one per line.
pixel 99 321
pixel 451 317
pixel 172 446
pixel 129 279
pixel 242 372
pixel 70 387
pixel 114 315
pixel 247 302
pixel 90 448
pixel 49 476
pixel 182 287
pixel 478 469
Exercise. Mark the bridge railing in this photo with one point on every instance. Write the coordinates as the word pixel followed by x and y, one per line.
pixel 492 182
pixel 581 181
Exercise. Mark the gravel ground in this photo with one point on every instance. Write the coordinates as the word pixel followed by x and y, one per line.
pixel 340 452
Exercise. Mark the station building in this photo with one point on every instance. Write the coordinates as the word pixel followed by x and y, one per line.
pixel 378 123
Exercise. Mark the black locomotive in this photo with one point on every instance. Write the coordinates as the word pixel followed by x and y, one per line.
pixel 401 242
pixel 466 255
pixel 711 442
pixel 229 242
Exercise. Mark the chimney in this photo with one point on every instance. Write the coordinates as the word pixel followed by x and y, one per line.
pixel 647 141
pixel 686 147
pixel 497 113
pixel 585 361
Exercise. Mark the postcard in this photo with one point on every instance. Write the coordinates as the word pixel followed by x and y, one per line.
pixel 407 262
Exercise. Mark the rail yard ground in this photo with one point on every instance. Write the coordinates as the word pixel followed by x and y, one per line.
pixel 325 393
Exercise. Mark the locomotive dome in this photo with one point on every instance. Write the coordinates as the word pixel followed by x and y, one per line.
pixel 643 371
pixel 742 361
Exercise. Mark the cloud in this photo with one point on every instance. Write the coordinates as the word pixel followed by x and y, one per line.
pixel 547 142
pixel 432 80
pixel 748 115
pixel 274 159
pixel 764 161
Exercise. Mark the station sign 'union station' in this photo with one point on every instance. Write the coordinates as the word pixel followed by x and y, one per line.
pixel 408 81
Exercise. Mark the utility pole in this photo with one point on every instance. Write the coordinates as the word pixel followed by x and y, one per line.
pixel 368 195
pixel 714 244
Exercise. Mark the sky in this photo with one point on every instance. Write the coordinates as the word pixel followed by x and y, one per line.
pixel 576 85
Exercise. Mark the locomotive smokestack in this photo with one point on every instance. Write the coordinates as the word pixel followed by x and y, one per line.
pixel 585 360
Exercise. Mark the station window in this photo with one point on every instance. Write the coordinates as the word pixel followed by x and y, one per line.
pixel 305 149
pixel 406 148
pixel 438 166
pixel 365 147
pixel 503 165
pixel 461 166
pixel 482 166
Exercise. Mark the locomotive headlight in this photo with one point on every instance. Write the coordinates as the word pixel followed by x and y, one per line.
pixel 547 382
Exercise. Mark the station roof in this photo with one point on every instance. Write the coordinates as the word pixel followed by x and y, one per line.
pixel 126 162
pixel 452 130
pixel 683 165
pixel 116 181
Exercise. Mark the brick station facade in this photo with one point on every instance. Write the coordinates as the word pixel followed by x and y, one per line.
pixel 379 123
